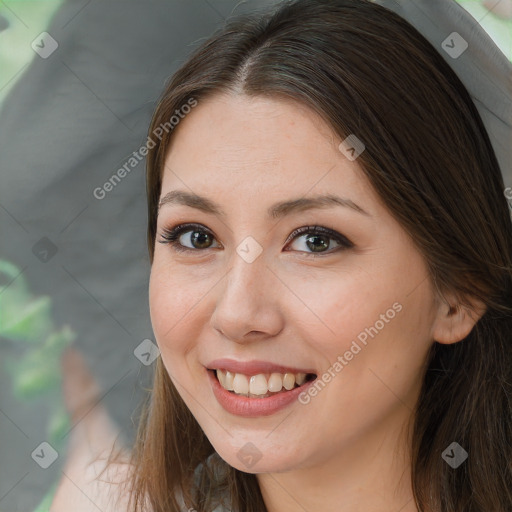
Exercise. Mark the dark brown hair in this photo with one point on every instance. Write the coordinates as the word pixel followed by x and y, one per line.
pixel 366 71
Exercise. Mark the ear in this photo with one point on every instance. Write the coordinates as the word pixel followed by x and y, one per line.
pixel 455 321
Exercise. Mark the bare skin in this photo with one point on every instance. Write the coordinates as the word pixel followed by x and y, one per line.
pixel 91 439
pixel 347 449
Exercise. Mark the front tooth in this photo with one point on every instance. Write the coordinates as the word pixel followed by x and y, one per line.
pixel 289 381
pixel 258 385
pixel 300 378
pixel 240 383
pixel 228 381
pixel 275 382
pixel 221 375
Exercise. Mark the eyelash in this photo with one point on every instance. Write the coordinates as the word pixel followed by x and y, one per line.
pixel 171 236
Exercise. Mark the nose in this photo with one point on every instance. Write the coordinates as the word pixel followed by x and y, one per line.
pixel 247 306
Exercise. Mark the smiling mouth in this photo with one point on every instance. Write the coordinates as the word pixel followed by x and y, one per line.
pixel 261 385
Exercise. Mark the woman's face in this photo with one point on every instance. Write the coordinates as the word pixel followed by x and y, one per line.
pixel 357 311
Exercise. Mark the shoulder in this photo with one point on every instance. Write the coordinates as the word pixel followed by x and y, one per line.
pixel 99 486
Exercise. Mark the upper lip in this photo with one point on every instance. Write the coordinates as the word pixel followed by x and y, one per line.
pixel 253 367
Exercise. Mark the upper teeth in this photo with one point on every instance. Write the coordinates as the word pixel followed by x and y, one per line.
pixel 259 384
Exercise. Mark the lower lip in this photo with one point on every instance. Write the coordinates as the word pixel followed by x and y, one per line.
pixel 253 407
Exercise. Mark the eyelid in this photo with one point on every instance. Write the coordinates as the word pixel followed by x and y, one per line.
pixel 335 235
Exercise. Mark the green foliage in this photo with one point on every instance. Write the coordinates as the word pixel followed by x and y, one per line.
pixel 36 345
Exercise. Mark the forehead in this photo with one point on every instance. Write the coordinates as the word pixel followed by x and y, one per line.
pixel 259 147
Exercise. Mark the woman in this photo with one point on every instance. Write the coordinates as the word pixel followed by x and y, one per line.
pixel 334 244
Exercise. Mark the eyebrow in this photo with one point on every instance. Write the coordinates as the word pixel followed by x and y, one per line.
pixel 275 211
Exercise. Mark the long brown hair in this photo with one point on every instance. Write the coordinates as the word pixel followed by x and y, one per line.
pixel 366 71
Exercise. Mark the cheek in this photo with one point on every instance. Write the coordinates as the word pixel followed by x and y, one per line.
pixel 160 301
pixel 338 307
pixel 371 317
pixel 171 304
pixel 171 313
pixel 379 348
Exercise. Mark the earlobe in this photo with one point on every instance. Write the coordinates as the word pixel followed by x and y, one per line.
pixel 455 321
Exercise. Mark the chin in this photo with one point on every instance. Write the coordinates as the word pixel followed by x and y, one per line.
pixel 259 457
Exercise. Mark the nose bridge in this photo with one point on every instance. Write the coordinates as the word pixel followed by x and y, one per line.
pixel 248 275
pixel 246 301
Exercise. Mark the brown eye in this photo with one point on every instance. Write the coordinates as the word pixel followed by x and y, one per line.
pixel 318 239
pixel 194 234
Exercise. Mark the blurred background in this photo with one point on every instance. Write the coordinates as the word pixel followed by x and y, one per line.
pixel 78 82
